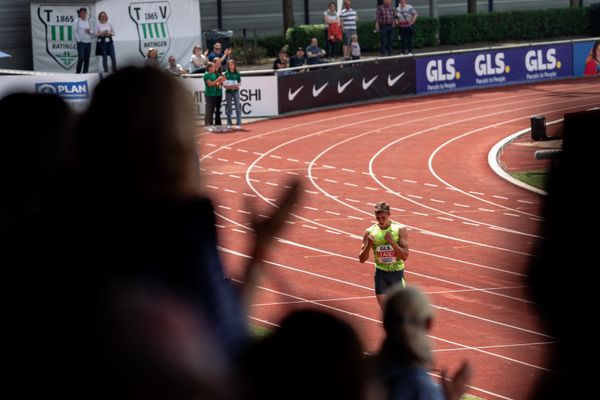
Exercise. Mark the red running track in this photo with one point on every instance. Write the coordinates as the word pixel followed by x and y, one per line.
pixel 471 234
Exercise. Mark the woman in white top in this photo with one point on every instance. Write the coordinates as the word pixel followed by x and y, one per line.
pixel 333 27
pixel 104 44
pixel 198 61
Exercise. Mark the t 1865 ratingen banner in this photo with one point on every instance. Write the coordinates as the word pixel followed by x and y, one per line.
pixel 445 73
pixel 335 85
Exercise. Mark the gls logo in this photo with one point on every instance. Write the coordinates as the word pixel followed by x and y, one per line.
pixel 438 71
pixel 484 65
pixel 537 60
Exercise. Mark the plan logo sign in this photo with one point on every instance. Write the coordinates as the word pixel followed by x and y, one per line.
pixel 59 24
pixel 151 19
pixel 66 90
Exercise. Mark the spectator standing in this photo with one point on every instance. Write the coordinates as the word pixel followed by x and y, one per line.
pixel 175 69
pixel 405 355
pixel 314 52
pixel 355 47
pixel 104 43
pixel 385 19
pixel 592 62
pixel 406 16
pixel 219 93
pixel 219 53
pixel 198 60
pixel 152 58
pixel 83 35
pixel 213 80
pixel 232 83
pixel 349 18
pixel 299 59
pixel 334 29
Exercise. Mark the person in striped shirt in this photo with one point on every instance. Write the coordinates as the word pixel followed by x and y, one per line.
pixel 349 18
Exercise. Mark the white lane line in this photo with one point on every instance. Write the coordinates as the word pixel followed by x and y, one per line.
pixel 224 207
pixel 500 197
pixel 477 193
pixel 511 214
pixel 366 173
pixel 242 150
pixel 378 321
pixel 445 219
pixel 310 227
pixel 357 218
pixel 328 166
pixel 220 226
pixel 292 173
pixel 331 180
pixel 235 176
pixel 431 185
pixel 437 201
pixel 249 194
pixel 526 201
pixel 333 232
pixel 535 219
pixel 470 223
pixel 239 163
pixel 238 230
pixel 244 212
pixel 264 216
pixel 348 170
pixel 263 320
pixel 293 160
pixel 212 187
pixel 257 153
pixel 333 213
pixel 461 205
pixel 498 346
pixel 371 188
pixel 414 196
pixel 350 184
pixel 420 213
pixel 226 147
pixel 217 172
pixel 397 209
pixel 275 157
pixel 408 181
pixel 311 208
pixel 253 180
pixel 289 222
pixel 485 209
pixel 222 159
pixel 272 183
pixel 274 170
pixel 311 191
pixel 211 145
pixel 230 191
pixel 388 177
pixel 353 201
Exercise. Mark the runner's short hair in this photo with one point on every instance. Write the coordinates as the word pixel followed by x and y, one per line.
pixel 382 207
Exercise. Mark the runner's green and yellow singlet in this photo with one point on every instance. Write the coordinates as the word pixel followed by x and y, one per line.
pixel 385 256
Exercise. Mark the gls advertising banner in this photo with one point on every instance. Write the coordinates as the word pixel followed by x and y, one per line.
pixel 258 96
pixel 492 68
pixel 305 90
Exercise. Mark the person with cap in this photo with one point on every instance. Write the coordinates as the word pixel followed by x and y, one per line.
pixel 298 59
pixel 83 35
pixel 389 241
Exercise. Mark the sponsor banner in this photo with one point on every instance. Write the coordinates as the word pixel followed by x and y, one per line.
pixel 170 26
pixel 304 90
pixel 582 54
pixel 493 68
pixel 258 96
pixel 76 90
